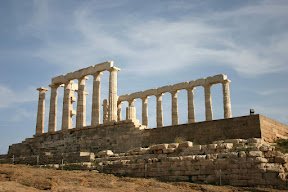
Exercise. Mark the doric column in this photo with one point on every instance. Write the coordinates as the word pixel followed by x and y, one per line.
pixel 53 108
pixel 131 110
pixel 95 115
pixel 66 121
pixel 105 110
pixel 145 111
pixel 159 110
pixel 208 102
pixel 226 99
pixel 81 103
pixel 191 109
pixel 41 111
pixel 175 118
pixel 112 114
pixel 119 111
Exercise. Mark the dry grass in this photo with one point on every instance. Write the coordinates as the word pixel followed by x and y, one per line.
pixel 28 178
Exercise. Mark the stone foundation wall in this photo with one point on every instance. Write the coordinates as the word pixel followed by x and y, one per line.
pixel 235 162
pixel 124 135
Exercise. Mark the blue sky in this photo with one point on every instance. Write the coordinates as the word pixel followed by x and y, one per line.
pixel 155 43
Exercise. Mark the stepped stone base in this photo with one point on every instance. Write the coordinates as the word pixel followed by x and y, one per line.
pixel 124 135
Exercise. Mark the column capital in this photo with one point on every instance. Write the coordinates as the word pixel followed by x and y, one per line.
pixel 83 78
pixel 97 74
pixel 145 97
pixel 207 85
pixel 42 89
pixel 159 95
pixel 226 81
pixel 55 85
pixel 174 92
pixel 191 88
pixel 113 69
pixel 131 102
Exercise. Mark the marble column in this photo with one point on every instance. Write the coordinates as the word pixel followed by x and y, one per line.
pixel 145 111
pixel 53 108
pixel 41 111
pixel 81 103
pixel 208 102
pixel 105 110
pixel 119 111
pixel 95 115
pixel 191 108
pixel 66 121
pixel 226 99
pixel 175 117
pixel 131 110
pixel 112 113
pixel 159 110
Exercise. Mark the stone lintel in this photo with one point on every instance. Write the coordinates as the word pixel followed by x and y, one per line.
pixel 83 72
pixel 164 89
pixel 182 85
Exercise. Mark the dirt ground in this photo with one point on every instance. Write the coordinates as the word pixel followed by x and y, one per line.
pixel 25 178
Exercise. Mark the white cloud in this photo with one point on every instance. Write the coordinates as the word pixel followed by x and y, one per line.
pixel 10 98
pixel 215 39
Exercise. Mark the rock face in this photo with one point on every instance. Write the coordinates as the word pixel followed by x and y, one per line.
pixel 238 162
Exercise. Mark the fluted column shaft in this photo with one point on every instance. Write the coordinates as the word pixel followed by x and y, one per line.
pixel 191 108
pixel 53 109
pixel 145 111
pixel 81 103
pixel 131 110
pixel 175 117
pixel 113 98
pixel 159 110
pixel 41 111
pixel 226 99
pixel 66 116
pixel 208 102
pixel 95 115
pixel 119 111
pixel 105 110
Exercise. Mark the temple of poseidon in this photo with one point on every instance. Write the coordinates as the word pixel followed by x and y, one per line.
pixel 194 151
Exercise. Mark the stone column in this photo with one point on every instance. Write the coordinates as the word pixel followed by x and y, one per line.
pixel 131 110
pixel 191 109
pixel 159 110
pixel 66 122
pixel 226 99
pixel 119 111
pixel 175 117
pixel 53 109
pixel 208 102
pixel 145 111
pixel 41 111
pixel 81 103
pixel 112 114
pixel 95 115
pixel 105 110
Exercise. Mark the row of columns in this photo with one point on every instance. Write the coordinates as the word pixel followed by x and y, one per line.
pixel 68 99
pixel 131 111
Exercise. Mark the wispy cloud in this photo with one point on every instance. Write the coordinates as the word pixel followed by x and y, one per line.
pixel 215 39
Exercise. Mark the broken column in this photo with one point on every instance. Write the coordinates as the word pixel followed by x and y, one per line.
pixel 113 98
pixel 105 110
pixel 119 111
pixel 131 110
pixel 67 109
pixel 226 99
pixel 81 103
pixel 95 115
pixel 41 111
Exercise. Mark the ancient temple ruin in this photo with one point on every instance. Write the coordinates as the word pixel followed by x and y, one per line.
pixel 232 150
pixel 112 105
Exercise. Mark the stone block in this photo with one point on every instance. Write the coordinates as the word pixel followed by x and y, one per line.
pixel 212 146
pixel 105 153
pixel 169 150
pixel 255 154
pixel 185 144
pixel 173 145
pixel 179 86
